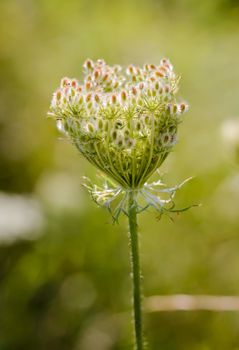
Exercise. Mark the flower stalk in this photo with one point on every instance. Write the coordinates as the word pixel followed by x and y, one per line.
pixel 126 125
pixel 135 270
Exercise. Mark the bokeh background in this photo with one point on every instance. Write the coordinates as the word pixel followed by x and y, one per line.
pixel 64 269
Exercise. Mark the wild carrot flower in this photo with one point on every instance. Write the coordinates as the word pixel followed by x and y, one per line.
pixel 126 124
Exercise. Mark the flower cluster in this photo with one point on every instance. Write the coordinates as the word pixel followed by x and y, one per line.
pixel 124 123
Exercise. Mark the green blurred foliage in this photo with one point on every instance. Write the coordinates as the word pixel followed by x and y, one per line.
pixel 70 287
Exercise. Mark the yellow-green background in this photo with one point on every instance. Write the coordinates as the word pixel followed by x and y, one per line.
pixel 69 289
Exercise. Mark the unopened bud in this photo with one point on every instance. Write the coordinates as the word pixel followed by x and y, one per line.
pixel 90 127
pixel 164 61
pixel 88 64
pixel 88 85
pixel 89 105
pixel 66 90
pixel 120 142
pixel 97 99
pixel 166 89
pixel 138 126
pixel 100 62
pixel 96 74
pixel 113 99
pixel 141 86
pixel 175 108
pixel 152 66
pixel 159 73
pixel 65 82
pixel 106 126
pixel 100 124
pixel 114 135
pixel 88 97
pixel 109 83
pixel 58 95
pixel 105 77
pixel 117 68
pixel 123 96
pixel 134 90
pixel 163 69
pixel 74 83
pixel 80 99
pixel 116 84
pixel 183 107
pixel 130 70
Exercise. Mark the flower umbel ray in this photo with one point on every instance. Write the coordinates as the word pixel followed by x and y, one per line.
pixel 123 122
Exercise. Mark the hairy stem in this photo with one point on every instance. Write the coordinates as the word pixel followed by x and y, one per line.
pixel 136 276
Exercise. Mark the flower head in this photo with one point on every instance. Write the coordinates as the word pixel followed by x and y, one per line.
pixel 124 123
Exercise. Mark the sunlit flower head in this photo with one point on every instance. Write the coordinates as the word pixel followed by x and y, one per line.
pixel 123 122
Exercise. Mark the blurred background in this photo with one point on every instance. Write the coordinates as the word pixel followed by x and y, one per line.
pixel 64 269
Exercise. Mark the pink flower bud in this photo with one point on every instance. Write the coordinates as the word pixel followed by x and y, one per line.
pixel 65 82
pixel 74 83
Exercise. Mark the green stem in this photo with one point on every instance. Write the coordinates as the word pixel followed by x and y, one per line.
pixel 135 266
